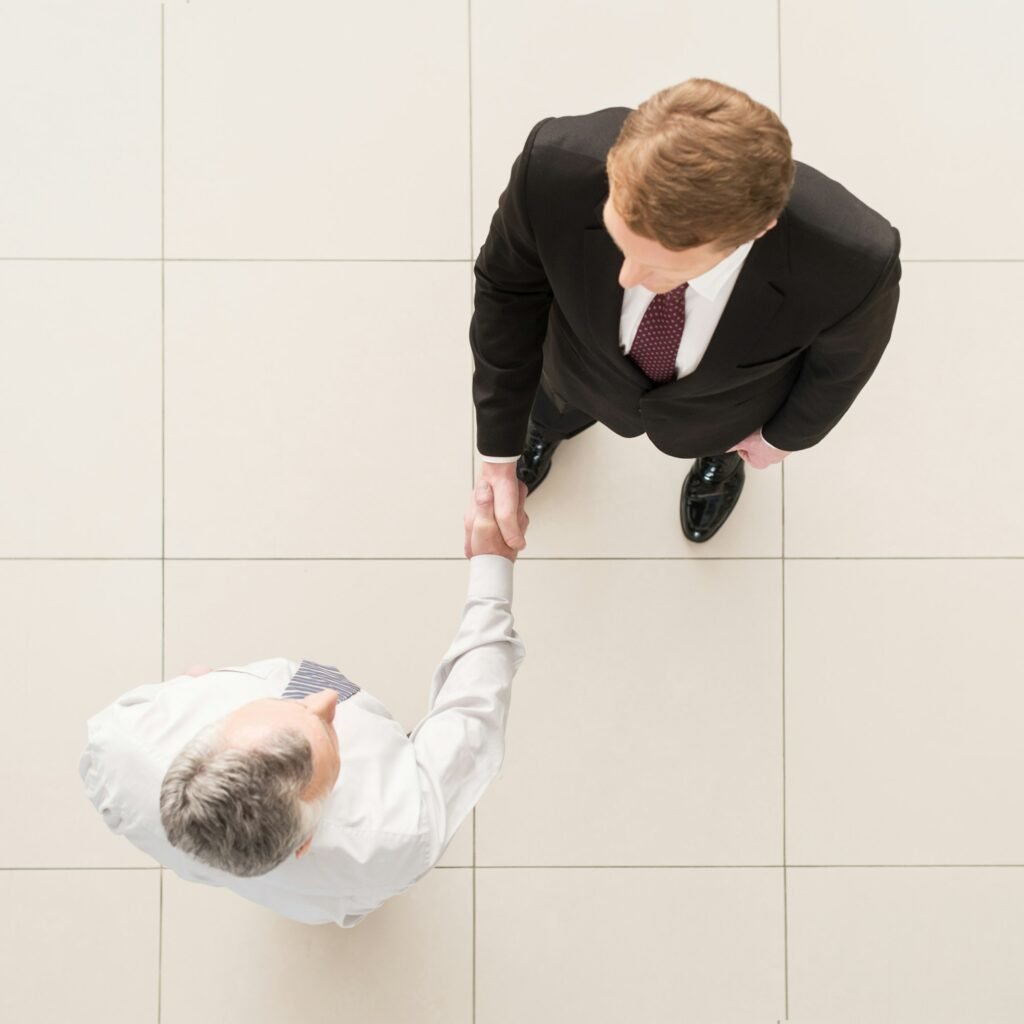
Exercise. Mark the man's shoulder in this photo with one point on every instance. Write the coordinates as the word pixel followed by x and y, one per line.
pixel 583 136
pixel 825 215
pixel 567 179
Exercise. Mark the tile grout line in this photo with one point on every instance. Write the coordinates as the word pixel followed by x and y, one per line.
pixel 720 867
pixel 526 558
pixel 473 951
pixel 785 844
pixel 991 866
pixel 160 953
pixel 372 259
pixel 252 259
pixel 472 434
pixel 163 374
pixel 79 867
pixel 782 570
pixel 163 473
pixel 778 41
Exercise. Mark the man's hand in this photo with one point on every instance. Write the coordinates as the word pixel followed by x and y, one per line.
pixel 485 536
pixel 509 505
pixel 198 670
pixel 757 452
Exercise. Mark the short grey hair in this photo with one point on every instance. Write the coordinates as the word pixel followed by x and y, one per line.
pixel 239 809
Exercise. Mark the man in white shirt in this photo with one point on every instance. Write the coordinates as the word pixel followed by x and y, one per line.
pixel 294 787
pixel 672 271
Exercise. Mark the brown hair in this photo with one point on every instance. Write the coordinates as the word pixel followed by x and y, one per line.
pixel 700 162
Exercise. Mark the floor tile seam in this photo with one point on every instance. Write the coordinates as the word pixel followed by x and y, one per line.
pixel 937 865
pixel 810 866
pixel 525 559
pixel 163 465
pixel 469 260
pixel 367 558
pixel 472 453
pixel 77 867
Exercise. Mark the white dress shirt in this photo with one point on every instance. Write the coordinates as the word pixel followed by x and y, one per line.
pixel 398 800
pixel 706 299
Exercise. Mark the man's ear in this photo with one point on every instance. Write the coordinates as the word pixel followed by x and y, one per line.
pixel 767 229
pixel 304 848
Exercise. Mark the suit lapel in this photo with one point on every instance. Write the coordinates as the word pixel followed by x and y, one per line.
pixel 743 330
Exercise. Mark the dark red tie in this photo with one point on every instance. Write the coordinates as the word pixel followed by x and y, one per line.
pixel 656 344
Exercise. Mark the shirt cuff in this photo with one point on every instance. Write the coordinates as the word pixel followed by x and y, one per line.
pixel 499 458
pixel 490 576
pixel 767 442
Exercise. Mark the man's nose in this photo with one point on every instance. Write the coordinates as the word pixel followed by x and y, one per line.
pixel 630 275
pixel 324 704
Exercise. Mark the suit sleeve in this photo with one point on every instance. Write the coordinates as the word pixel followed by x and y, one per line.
pixel 513 298
pixel 837 365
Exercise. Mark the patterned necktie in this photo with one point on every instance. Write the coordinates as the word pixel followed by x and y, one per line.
pixel 312 678
pixel 657 340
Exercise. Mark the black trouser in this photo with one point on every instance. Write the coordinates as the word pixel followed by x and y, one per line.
pixel 559 424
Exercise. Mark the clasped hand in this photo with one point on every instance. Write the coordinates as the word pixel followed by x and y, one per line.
pixel 496 518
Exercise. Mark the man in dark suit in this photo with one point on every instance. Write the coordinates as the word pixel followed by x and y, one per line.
pixel 672 271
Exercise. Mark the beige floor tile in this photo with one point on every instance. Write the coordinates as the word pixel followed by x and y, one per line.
pixel 903 707
pixel 614 497
pixel 317 131
pixel 903 107
pixel 579 63
pixel 647 723
pixel 317 409
pixel 613 945
pixel 75 636
pixel 80 409
pixel 385 625
pixel 920 465
pixel 225 959
pixel 906 946
pixel 79 946
pixel 81 128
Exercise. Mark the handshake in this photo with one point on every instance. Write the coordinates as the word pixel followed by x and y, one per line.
pixel 496 519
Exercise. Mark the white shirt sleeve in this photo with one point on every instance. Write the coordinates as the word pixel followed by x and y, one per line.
pixel 460 744
pixel 499 458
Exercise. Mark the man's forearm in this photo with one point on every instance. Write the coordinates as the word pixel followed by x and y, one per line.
pixel 460 744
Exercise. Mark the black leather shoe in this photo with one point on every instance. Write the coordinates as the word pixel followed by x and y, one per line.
pixel 710 492
pixel 535 462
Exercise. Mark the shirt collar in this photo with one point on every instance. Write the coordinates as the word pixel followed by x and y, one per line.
pixel 711 282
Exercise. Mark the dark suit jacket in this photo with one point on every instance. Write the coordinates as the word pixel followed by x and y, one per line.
pixel 804 328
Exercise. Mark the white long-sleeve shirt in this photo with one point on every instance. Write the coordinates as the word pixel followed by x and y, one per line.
pixel 398 800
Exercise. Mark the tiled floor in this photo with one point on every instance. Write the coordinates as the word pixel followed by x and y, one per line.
pixel 235 421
